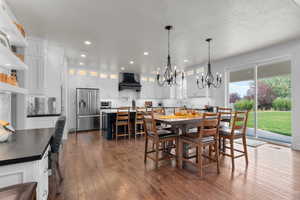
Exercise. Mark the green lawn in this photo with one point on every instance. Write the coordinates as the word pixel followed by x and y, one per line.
pixel 274 121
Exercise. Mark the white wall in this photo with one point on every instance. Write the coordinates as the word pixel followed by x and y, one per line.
pixel 289 50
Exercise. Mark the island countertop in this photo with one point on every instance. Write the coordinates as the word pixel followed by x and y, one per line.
pixel 25 146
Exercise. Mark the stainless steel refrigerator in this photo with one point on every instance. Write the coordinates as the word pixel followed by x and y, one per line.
pixel 87 109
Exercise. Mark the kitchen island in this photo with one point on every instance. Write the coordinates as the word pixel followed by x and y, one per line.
pixel 108 122
pixel 24 158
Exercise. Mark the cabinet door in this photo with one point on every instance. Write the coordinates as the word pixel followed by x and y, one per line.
pixel 36 47
pixel 35 74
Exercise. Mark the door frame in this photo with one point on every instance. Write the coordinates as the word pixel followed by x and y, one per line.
pixel 255 66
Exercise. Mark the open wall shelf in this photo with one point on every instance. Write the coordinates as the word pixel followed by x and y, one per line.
pixel 7 25
pixel 4 87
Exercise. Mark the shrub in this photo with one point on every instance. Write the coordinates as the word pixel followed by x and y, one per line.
pixel 282 104
pixel 244 104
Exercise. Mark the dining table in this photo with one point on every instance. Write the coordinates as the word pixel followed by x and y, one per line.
pixel 182 124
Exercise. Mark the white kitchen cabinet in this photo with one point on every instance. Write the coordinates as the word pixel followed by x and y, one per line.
pixel 35 75
pixel 36 47
pixel 35 171
pixel 54 71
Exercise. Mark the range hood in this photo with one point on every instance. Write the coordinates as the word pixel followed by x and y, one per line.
pixel 129 81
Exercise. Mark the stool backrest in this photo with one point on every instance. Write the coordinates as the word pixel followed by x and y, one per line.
pixel 150 125
pixel 123 114
pixel 56 140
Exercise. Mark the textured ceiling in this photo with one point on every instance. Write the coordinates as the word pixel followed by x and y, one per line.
pixel 122 30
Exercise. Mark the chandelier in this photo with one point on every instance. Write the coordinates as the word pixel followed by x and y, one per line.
pixel 208 80
pixel 168 78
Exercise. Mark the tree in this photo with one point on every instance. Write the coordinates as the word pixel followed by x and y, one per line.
pixel 265 95
pixel 281 85
pixel 234 97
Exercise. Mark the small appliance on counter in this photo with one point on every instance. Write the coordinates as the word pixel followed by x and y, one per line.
pixel 41 106
pixel 105 105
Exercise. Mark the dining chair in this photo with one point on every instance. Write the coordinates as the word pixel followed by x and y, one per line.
pixel 236 131
pixel 159 139
pixel 139 122
pixel 123 121
pixel 55 144
pixel 206 136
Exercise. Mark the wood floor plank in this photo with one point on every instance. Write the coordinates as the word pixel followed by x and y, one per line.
pixel 95 168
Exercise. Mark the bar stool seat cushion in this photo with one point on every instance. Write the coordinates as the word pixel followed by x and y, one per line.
pixel 225 131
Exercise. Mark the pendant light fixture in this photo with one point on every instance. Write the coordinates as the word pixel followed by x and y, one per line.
pixel 168 78
pixel 208 80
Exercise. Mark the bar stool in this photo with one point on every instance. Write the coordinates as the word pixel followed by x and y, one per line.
pixel 123 120
pixel 236 131
pixel 207 136
pixel 55 144
pixel 139 122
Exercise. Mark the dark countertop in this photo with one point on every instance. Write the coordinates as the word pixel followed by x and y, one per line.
pixel 25 146
pixel 44 115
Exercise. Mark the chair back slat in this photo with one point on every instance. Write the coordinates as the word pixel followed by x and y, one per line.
pixel 209 125
pixel 150 125
pixel 140 112
pixel 123 114
pixel 240 121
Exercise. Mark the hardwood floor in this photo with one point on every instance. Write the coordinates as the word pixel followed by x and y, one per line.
pixel 95 168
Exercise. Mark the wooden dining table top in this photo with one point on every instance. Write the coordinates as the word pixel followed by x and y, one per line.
pixel 181 120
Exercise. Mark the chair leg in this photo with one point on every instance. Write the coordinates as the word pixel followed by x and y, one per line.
pixel 217 156
pixel 200 164
pixel 197 154
pixel 156 154
pixel 146 150
pixel 61 178
pixel 232 153
pixel 116 133
pixel 245 149
pixel 224 145
pixel 180 152
pixel 176 149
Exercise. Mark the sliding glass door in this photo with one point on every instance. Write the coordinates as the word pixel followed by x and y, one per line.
pixel 264 90
pixel 274 101
pixel 242 94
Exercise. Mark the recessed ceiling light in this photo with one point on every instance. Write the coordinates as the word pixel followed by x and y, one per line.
pixel 81 63
pixel 87 42
pixel 8 65
pixel 146 53
pixel 131 62
pixel 122 68
pixel 83 55
pixel 185 61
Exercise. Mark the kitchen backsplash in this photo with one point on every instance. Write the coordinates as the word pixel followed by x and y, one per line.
pixel 190 103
